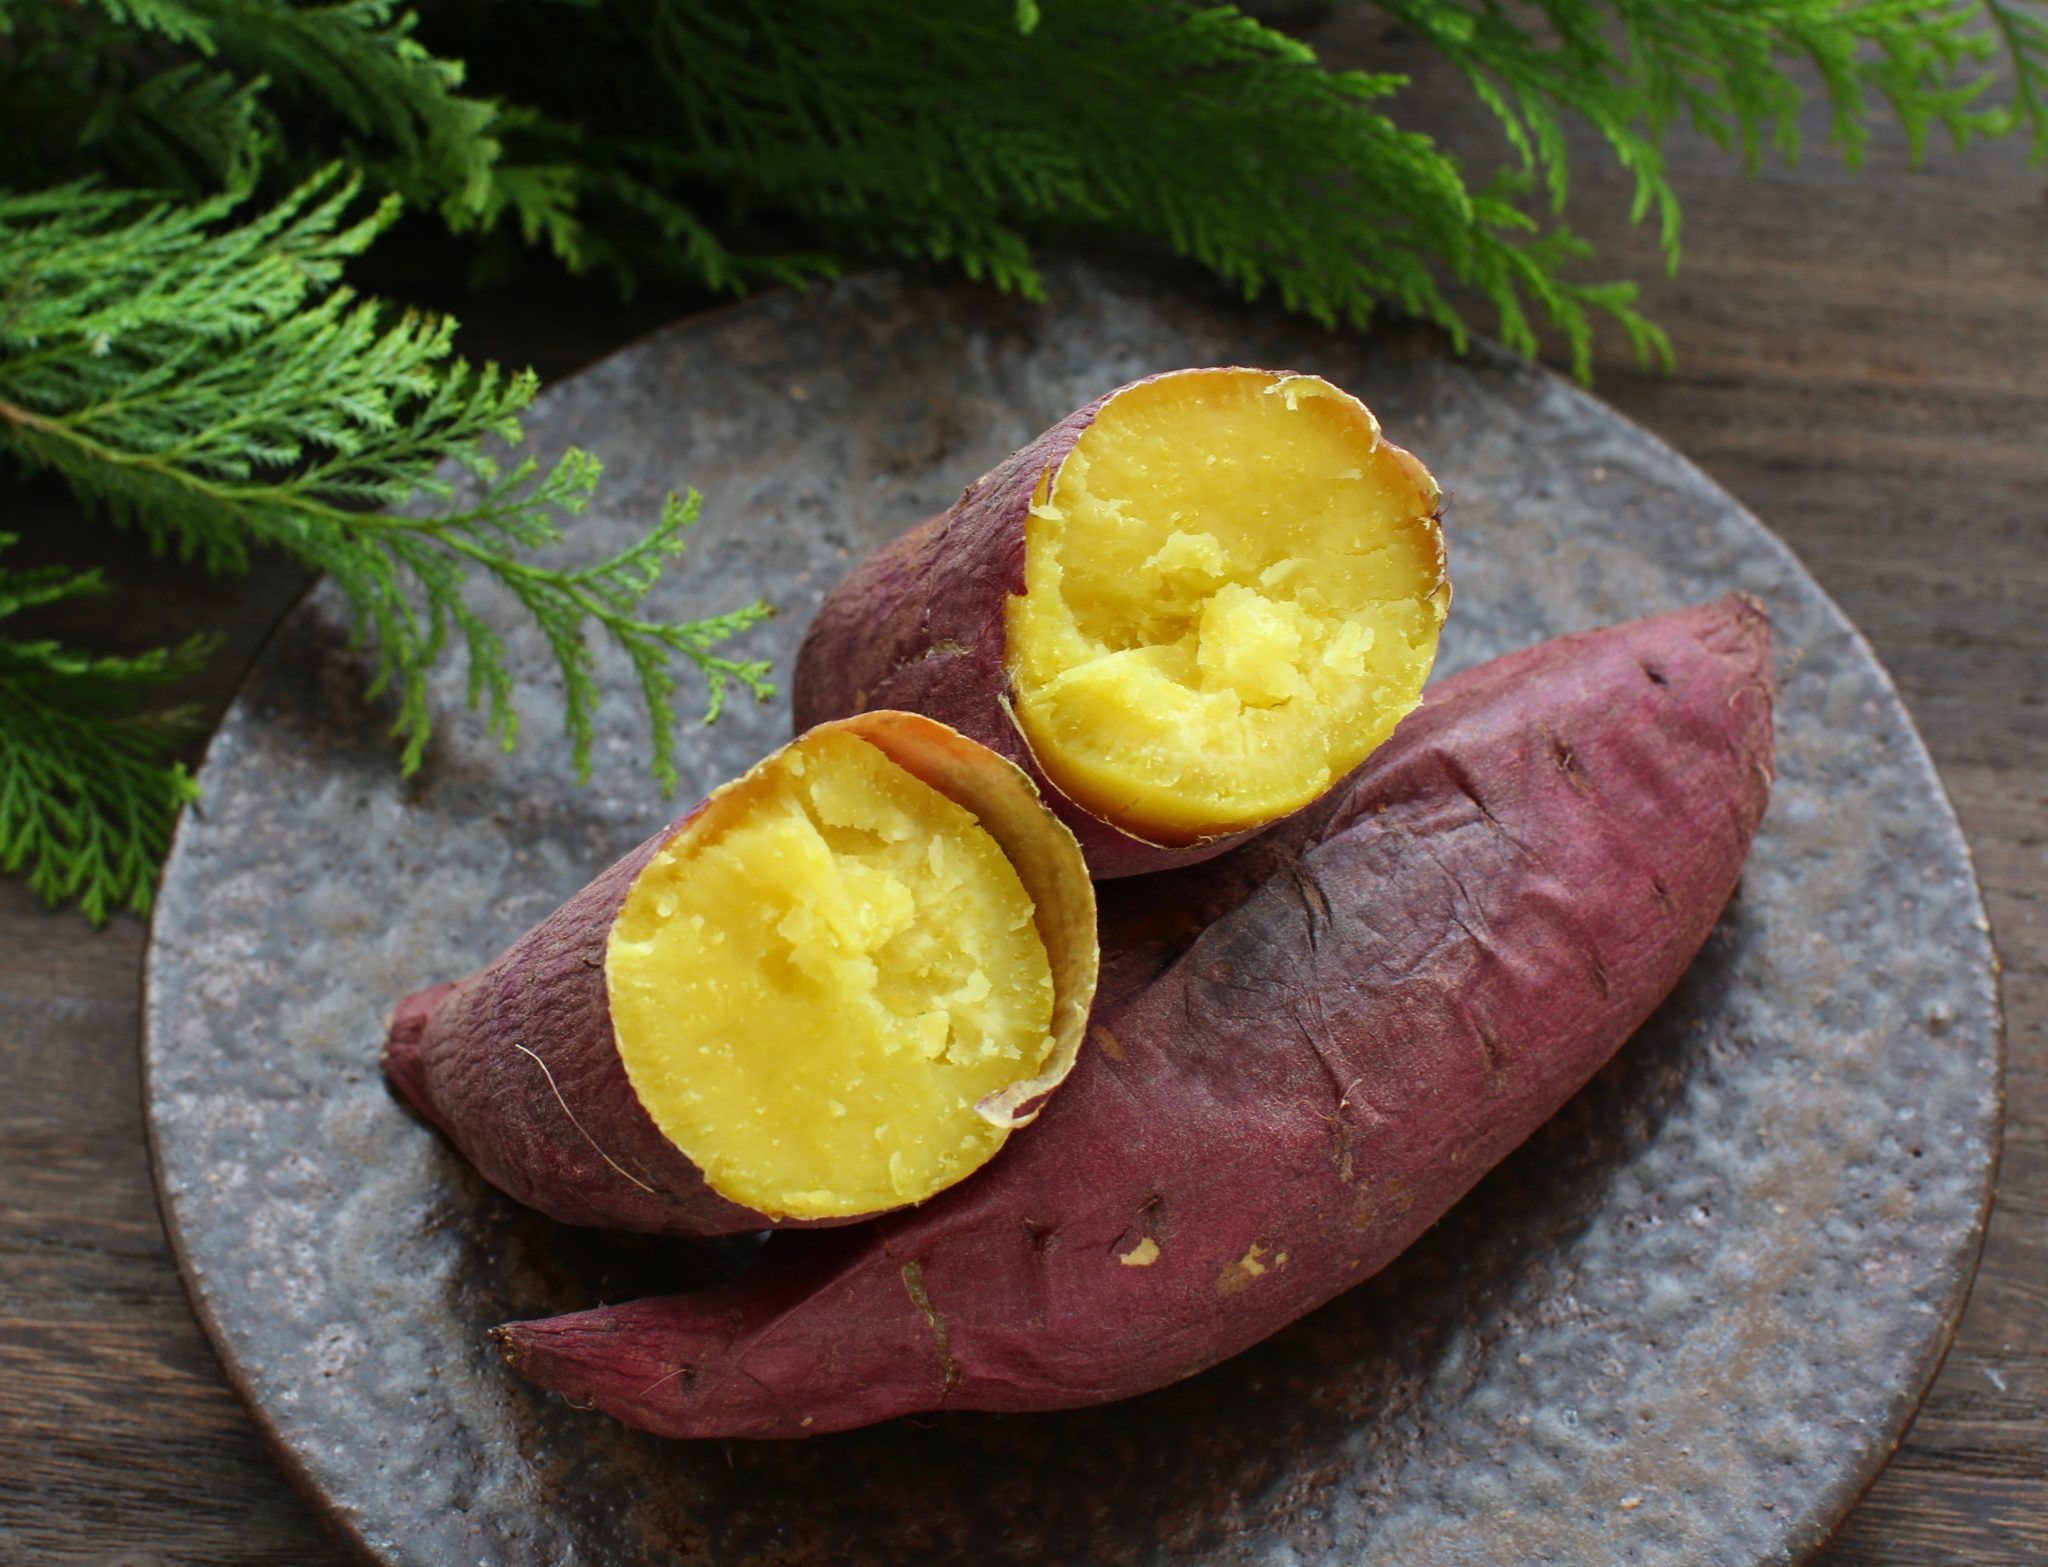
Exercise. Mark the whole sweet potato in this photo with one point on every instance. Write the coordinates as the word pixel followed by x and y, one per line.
pixel 831 989
pixel 1187 610
pixel 1302 1055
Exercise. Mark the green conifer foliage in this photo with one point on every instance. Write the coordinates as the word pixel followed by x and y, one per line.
pixel 184 183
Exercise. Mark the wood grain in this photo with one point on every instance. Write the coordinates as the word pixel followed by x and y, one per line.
pixel 1863 360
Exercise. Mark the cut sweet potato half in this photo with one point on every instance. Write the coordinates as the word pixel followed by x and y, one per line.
pixel 832 989
pixel 1187 609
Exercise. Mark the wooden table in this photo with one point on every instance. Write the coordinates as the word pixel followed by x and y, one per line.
pixel 1863 360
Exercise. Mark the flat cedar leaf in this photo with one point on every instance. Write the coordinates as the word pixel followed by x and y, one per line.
pixel 87 797
pixel 199 376
pixel 965 134
pixel 195 368
pixel 668 140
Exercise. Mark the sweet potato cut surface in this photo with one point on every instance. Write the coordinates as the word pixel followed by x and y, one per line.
pixel 1303 1054
pixel 833 989
pixel 817 982
pixel 1232 592
pixel 1187 609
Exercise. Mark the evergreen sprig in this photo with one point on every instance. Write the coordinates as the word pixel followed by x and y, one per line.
pixel 963 134
pixel 191 360
pixel 86 797
pixel 967 133
pixel 1634 68
pixel 1277 175
pixel 2023 30
pixel 210 384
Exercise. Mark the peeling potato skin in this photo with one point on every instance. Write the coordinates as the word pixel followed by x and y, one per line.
pixel 919 625
pixel 518 1064
pixel 1302 1056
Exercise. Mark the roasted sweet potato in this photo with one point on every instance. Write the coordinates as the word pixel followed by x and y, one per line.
pixel 883 919
pixel 1186 610
pixel 1303 1054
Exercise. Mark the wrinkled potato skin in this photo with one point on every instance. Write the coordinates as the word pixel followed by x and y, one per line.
pixel 1301 1056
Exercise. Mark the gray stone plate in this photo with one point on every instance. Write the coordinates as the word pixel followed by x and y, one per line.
pixel 1686 1324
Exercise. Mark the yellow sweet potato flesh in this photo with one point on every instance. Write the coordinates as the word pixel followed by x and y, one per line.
pixel 816 982
pixel 1232 594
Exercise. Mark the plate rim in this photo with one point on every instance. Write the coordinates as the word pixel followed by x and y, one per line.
pixel 1832 1508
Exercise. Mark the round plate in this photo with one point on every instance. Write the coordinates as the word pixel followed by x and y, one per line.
pixel 1686 1323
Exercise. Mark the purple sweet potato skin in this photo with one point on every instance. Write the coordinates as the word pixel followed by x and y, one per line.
pixel 919 626
pixel 1301 1056
pixel 460 1053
